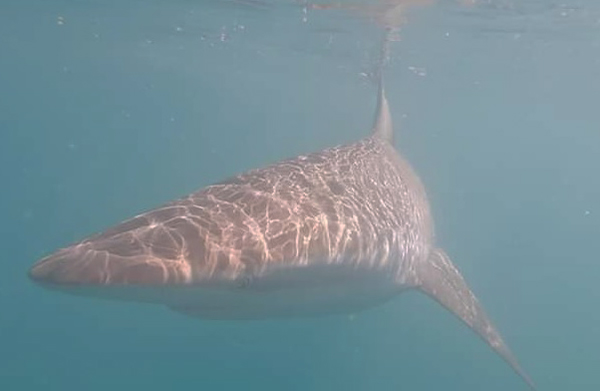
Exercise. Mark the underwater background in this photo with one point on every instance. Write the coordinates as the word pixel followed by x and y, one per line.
pixel 109 108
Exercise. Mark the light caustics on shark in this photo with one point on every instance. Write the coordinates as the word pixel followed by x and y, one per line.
pixel 335 231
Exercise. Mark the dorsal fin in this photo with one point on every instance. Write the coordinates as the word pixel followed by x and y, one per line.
pixel 382 127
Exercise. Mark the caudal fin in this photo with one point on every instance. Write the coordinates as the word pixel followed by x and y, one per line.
pixel 440 279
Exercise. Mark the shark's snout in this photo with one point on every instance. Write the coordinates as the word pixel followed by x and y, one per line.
pixel 81 265
pixel 68 266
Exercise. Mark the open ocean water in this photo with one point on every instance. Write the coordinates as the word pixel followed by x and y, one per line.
pixel 109 108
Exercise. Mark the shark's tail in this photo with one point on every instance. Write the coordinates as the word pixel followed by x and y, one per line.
pixel 439 279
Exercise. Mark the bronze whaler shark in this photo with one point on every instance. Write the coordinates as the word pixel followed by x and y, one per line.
pixel 335 231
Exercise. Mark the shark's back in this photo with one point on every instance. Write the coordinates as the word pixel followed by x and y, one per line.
pixel 351 204
pixel 357 205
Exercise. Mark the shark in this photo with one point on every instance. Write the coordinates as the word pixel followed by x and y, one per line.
pixel 331 232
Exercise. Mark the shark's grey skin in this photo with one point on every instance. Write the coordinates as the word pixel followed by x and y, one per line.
pixel 335 231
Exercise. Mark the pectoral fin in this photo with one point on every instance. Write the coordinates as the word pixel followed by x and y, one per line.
pixel 440 280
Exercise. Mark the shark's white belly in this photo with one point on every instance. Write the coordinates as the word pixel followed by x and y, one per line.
pixel 301 291
pixel 296 292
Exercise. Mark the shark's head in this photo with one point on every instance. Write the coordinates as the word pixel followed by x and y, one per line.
pixel 140 260
pixel 171 263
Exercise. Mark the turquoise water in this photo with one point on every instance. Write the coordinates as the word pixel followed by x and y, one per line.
pixel 108 108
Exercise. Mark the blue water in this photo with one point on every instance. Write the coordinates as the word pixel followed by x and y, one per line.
pixel 108 108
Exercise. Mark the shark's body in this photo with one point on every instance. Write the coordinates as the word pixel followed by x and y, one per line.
pixel 335 231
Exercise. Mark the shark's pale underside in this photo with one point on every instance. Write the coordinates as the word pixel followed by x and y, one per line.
pixel 331 232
